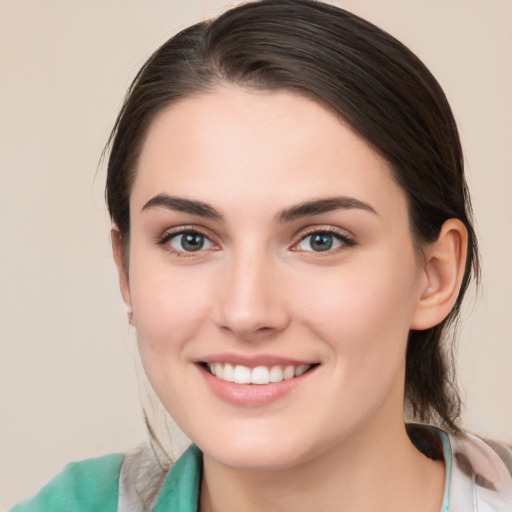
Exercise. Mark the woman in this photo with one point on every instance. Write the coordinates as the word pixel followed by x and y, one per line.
pixel 293 236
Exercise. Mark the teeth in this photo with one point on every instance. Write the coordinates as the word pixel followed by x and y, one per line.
pixel 289 372
pixel 218 370
pixel 228 373
pixel 259 375
pixel 301 369
pixel 242 375
pixel 276 374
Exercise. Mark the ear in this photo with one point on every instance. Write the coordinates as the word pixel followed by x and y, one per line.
pixel 444 265
pixel 122 271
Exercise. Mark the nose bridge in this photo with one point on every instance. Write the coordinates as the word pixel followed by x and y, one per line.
pixel 252 302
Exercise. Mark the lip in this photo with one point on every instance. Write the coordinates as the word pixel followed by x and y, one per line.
pixel 251 361
pixel 253 395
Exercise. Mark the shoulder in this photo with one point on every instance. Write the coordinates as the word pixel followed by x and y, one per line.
pixel 481 472
pixel 145 484
pixel 478 471
pixel 89 485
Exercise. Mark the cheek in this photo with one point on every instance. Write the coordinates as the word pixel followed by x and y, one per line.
pixel 170 305
pixel 363 312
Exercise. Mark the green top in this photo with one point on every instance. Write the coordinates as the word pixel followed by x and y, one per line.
pixel 92 485
pixel 180 490
pixel 447 454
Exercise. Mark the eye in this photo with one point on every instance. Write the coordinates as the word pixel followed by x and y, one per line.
pixel 323 241
pixel 188 241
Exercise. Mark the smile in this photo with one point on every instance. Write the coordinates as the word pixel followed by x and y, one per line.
pixel 257 381
pixel 240 374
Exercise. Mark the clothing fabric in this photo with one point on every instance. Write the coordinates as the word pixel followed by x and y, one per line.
pixel 90 485
pixel 478 479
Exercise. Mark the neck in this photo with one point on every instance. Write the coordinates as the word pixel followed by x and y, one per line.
pixel 368 471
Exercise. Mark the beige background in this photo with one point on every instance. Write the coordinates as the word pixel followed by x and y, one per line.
pixel 67 386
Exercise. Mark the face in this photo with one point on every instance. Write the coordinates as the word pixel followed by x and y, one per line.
pixel 272 277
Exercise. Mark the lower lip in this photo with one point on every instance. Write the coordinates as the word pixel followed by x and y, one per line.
pixel 252 395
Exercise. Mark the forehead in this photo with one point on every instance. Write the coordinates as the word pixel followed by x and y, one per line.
pixel 239 143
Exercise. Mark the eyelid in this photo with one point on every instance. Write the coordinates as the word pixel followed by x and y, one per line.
pixel 347 240
pixel 168 234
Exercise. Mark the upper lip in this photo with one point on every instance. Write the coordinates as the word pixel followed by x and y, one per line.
pixel 253 360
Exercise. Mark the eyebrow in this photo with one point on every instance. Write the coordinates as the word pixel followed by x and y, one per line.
pixel 181 204
pixel 319 206
pixel 306 209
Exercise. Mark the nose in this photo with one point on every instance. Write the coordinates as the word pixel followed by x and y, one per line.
pixel 252 300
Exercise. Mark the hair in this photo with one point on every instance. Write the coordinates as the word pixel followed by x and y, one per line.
pixel 365 76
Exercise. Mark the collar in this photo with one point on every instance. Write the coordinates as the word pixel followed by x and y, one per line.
pixel 480 480
pixel 477 479
pixel 180 489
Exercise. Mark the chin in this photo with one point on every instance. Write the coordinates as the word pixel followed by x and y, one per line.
pixel 261 449
pixel 256 458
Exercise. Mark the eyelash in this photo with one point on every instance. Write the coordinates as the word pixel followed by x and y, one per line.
pixel 345 241
pixel 169 235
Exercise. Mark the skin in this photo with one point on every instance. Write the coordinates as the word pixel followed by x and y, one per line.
pixel 259 287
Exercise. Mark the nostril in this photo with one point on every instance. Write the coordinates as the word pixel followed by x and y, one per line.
pixel 248 332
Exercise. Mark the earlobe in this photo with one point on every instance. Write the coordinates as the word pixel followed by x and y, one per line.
pixel 445 261
pixel 122 271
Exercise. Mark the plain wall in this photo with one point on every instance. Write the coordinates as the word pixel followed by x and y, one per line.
pixel 67 385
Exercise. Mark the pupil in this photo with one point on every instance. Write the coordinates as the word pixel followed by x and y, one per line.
pixel 321 242
pixel 192 241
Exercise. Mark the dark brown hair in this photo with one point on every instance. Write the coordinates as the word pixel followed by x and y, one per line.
pixel 375 83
